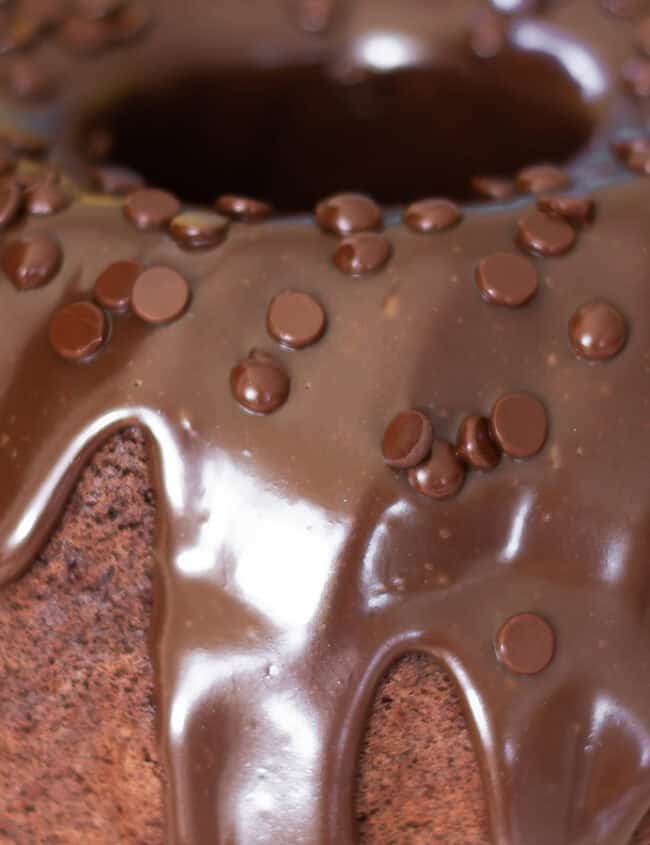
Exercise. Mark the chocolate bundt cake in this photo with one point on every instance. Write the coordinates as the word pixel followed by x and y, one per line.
pixel 324 527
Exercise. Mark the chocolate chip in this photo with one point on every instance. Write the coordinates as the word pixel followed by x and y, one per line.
pixel 77 331
pixel 575 209
pixel 115 180
pixel 525 644
pixel 114 286
pixel 636 75
pixel 519 425
pixel 493 187
pixel 474 444
pixel 346 214
pixel 432 215
pixel 442 475
pixel 407 440
pixel 151 208
pixel 538 178
pixel 597 331
pixel 243 209
pixel 362 253
pixel 260 383
pixel 295 319
pixel 544 234
pixel 84 37
pixel 29 81
pixel 47 196
pixel 10 200
pixel 506 279
pixel 199 229
pixel 160 295
pixel 31 260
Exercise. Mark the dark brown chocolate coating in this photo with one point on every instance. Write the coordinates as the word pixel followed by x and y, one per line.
pixel 293 566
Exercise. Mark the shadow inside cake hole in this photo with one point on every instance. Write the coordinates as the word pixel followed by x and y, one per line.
pixel 418 777
pixel 294 135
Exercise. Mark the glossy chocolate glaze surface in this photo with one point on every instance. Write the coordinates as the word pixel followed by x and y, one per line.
pixel 293 565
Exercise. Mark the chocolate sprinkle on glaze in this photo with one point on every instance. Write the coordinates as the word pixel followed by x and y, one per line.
pixel 116 180
pixel 260 384
pixel 442 475
pixel 31 261
pixel 114 286
pixel 597 331
pixel 544 234
pixel 474 444
pixel 151 208
pixel 362 253
pixel 346 214
pixel 243 209
pixel 525 643
pixel 506 279
pixel 160 295
pixel 199 229
pixel 432 215
pixel 77 331
pixel 295 319
pixel 575 209
pixel 519 425
pixel 494 187
pixel 10 200
pixel 407 440
pixel 47 196
pixel 538 178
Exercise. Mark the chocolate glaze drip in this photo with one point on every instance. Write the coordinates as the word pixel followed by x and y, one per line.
pixel 294 566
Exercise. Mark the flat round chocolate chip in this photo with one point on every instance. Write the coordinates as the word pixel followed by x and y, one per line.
pixel 160 295
pixel 115 180
pixel 243 209
pixel 597 331
pixel 432 215
pixel 10 200
pixel 544 234
pixel 475 446
pixel 362 253
pixel 538 178
pixel 295 319
pixel 493 187
pixel 519 424
pixel 260 383
pixel 442 475
pixel 47 196
pixel 575 209
pixel 346 214
pixel 525 643
pixel 77 331
pixel 506 279
pixel 199 229
pixel 407 440
pixel 31 260
pixel 114 286
pixel 151 208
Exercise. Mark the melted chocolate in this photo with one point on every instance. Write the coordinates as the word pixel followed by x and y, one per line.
pixel 294 567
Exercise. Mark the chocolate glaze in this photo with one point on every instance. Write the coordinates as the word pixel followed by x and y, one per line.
pixel 293 566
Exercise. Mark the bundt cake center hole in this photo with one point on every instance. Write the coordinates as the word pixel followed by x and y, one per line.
pixel 294 135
